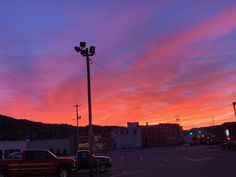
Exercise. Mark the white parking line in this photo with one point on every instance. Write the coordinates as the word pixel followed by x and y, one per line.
pixel 117 168
pixel 197 159
pixel 213 150
pixel 162 164
pixel 163 159
pixel 122 158
pixel 140 157
pixel 127 173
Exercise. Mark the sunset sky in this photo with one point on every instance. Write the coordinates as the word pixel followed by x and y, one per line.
pixel 155 59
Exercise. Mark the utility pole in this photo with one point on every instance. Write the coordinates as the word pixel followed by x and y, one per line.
pixel 178 119
pixel 180 128
pixel 87 52
pixel 213 121
pixel 77 125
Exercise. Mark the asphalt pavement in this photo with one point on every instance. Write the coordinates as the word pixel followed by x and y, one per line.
pixel 184 161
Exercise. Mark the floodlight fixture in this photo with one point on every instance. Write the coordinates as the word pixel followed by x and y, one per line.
pixel 92 50
pixel 234 106
pixel 82 44
pixel 77 49
pixel 84 52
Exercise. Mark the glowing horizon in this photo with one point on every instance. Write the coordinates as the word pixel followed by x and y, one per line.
pixel 154 60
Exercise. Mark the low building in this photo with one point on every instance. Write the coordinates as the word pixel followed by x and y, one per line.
pixel 147 136
pixel 161 135
pixel 129 137
pixel 57 146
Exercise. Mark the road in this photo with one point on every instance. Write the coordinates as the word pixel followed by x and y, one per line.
pixel 187 161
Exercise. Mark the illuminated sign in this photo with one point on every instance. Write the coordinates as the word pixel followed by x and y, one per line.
pixel 227 132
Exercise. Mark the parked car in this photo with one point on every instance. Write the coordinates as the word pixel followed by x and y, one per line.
pixel 229 144
pixel 36 162
pixel 100 163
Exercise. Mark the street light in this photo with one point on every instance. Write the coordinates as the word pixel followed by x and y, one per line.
pixel 234 105
pixel 87 52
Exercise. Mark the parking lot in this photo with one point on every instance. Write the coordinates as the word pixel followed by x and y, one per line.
pixel 197 161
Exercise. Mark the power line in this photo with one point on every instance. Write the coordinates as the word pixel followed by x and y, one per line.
pixel 110 72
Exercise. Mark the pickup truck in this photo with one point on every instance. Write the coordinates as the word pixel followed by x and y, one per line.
pixel 100 163
pixel 36 162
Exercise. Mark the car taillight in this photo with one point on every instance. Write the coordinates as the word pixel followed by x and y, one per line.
pixel 74 163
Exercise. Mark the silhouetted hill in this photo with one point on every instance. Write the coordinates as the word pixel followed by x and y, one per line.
pixel 18 129
pixel 21 129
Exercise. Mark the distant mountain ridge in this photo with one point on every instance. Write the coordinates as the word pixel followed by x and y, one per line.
pixel 22 129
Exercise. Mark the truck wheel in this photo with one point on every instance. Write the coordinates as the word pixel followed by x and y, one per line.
pixel 62 173
pixel 103 168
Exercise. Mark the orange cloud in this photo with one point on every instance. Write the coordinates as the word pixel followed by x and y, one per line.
pixel 188 73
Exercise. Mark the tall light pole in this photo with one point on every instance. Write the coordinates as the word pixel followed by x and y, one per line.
pixel 87 52
pixel 234 105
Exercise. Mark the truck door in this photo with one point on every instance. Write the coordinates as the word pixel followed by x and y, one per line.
pixel 45 163
pixel 14 164
pixel 27 163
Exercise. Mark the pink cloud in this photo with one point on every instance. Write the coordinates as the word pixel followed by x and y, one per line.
pixel 164 81
pixel 166 47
